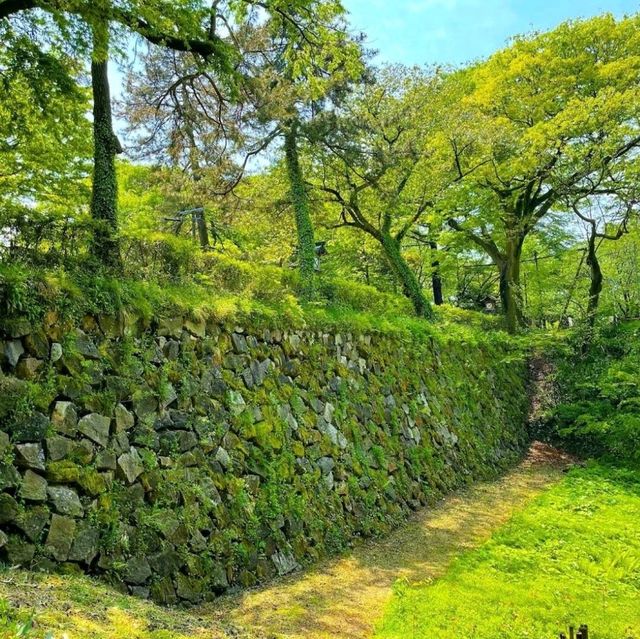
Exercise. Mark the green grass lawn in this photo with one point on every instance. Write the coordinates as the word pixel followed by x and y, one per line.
pixel 571 557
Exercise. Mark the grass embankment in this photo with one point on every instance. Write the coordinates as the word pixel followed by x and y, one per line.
pixel 571 557
pixel 340 598
pixel 233 292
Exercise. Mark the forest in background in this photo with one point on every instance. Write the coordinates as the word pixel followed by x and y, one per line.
pixel 264 161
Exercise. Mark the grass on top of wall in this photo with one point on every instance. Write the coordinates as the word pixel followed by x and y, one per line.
pixel 235 292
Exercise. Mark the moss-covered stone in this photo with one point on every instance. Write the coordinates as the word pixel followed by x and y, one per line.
pixel 33 521
pixel 9 509
pixel 9 476
pixel 60 538
pixel 63 472
pixel 85 544
pixel 210 460
pixel 92 482
pixel 64 418
pixel 137 571
pixel 130 465
pixel 163 591
pixel 19 552
pixel 190 589
pixel 65 501
pixel 96 427
pixel 33 487
pixel 31 427
pixel 58 447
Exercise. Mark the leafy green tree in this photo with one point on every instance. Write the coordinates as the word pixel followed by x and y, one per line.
pixel 183 26
pixel 44 134
pixel 557 111
pixel 606 219
pixel 549 261
pixel 292 66
pixel 180 115
pixel 621 267
pixel 312 69
pixel 387 168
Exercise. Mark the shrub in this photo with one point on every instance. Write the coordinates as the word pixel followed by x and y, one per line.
pixel 599 411
pixel 360 297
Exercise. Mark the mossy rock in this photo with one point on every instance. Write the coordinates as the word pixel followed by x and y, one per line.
pixel 63 472
pixel 92 482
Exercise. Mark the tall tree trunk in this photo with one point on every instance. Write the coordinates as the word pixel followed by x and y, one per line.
pixel 301 207
pixel 572 288
pixel 104 197
pixel 203 232
pixel 436 278
pixel 510 294
pixel 595 287
pixel 405 276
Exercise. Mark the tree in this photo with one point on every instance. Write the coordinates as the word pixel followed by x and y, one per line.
pixel 181 115
pixel 182 26
pixel 605 219
pixel 387 167
pixel 177 25
pixel 556 111
pixel 621 264
pixel 425 239
pixel 104 195
pixel 306 249
pixel 44 134
pixel 293 66
pixel 304 68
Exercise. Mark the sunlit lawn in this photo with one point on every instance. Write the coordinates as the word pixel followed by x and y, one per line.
pixel 571 557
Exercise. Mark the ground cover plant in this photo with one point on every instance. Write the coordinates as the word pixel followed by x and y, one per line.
pixel 571 557
pixel 597 411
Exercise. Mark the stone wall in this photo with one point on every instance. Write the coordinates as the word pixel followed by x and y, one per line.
pixel 179 459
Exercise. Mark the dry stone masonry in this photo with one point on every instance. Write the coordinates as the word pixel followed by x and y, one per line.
pixel 179 459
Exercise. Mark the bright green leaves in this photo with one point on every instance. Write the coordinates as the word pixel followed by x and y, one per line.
pixel 43 128
pixel 600 397
pixel 564 97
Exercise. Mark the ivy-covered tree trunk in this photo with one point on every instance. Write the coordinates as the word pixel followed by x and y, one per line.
pixel 510 296
pixel 104 196
pixel 301 207
pixel 405 276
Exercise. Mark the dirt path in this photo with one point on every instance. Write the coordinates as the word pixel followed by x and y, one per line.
pixel 342 598
pixel 346 597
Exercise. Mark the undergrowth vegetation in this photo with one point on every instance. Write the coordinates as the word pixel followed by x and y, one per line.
pixel 598 409
pixel 231 291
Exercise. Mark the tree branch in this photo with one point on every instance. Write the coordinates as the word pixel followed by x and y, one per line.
pixel 487 244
